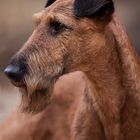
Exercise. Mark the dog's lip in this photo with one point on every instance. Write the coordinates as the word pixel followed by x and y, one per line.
pixel 41 90
pixel 18 84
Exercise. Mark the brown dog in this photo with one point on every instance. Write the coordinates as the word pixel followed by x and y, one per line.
pixel 86 36
pixel 54 123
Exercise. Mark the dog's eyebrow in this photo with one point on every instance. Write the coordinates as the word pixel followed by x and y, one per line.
pixel 49 2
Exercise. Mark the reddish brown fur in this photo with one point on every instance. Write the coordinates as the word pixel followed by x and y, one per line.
pixel 109 106
pixel 49 124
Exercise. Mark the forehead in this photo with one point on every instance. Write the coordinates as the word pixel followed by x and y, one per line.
pixel 62 10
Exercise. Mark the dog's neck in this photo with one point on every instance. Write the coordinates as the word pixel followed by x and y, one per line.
pixel 114 75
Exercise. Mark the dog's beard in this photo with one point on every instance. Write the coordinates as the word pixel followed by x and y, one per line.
pixel 36 101
pixel 37 93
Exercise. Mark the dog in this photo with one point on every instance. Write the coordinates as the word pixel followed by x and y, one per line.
pixel 86 36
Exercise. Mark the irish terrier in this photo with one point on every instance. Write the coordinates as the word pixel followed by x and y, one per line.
pixel 82 35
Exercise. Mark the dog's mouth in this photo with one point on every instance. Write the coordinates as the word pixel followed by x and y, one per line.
pixel 36 89
pixel 36 99
pixel 20 84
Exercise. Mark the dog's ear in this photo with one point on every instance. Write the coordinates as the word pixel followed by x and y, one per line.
pixel 93 8
pixel 49 2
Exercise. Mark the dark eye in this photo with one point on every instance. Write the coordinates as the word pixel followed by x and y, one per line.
pixel 57 27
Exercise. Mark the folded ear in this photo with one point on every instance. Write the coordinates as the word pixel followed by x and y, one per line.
pixel 49 2
pixel 93 8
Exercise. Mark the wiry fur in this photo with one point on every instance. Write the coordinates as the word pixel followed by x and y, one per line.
pixel 55 121
pixel 99 47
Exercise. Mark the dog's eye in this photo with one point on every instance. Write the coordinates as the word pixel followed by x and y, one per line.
pixel 57 27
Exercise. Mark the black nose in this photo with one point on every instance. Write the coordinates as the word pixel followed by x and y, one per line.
pixel 13 72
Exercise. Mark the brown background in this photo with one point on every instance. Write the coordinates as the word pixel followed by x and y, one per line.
pixel 16 25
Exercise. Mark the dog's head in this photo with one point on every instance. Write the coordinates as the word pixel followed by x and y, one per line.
pixel 67 37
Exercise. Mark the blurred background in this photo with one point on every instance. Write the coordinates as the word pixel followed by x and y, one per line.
pixel 16 26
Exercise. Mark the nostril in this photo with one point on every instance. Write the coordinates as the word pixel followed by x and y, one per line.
pixel 13 72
